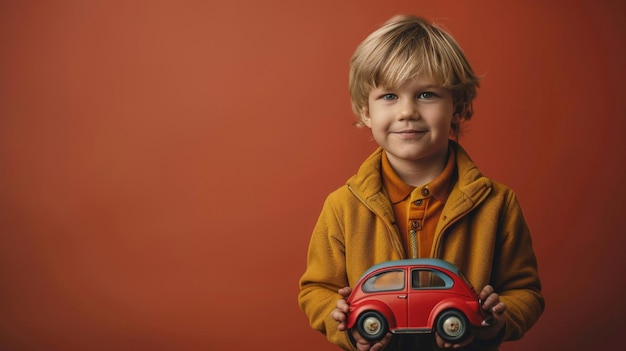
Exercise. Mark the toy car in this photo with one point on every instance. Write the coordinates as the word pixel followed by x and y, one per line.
pixel 414 296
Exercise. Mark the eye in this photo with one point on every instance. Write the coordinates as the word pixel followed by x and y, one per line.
pixel 427 95
pixel 389 96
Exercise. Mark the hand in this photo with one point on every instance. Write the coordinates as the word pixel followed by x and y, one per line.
pixel 363 344
pixel 341 311
pixel 340 315
pixel 495 314
pixel 446 345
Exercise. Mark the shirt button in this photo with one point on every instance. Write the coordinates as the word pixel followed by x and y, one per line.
pixel 418 202
pixel 425 191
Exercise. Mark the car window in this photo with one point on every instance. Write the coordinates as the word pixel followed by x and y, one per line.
pixel 429 279
pixel 385 281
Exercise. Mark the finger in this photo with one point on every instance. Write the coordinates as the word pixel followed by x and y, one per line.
pixel 486 291
pixel 499 308
pixel 342 306
pixel 345 292
pixel 338 315
pixel 361 343
pixel 491 301
pixel 439 340
pixel 377 347
pixel 440 343
pixel 464 342
pixel 445 345
pixel 382 343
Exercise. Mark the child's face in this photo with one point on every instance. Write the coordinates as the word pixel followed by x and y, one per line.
pixel 412 123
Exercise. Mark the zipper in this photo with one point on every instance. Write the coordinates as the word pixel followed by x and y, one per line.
pixel 413 237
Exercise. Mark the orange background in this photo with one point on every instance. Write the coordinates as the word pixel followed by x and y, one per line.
pixel 162 163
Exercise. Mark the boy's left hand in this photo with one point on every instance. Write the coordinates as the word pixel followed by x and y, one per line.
pixel 495 316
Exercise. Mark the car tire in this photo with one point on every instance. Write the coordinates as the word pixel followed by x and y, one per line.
pixel 372 325
pixel 452 326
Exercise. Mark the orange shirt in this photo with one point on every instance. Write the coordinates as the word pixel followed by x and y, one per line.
pixel 417 210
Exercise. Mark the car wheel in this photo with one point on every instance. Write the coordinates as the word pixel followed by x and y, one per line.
pixel 452 326
pixel 372 325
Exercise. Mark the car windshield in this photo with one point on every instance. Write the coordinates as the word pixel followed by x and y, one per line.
pixel 385 281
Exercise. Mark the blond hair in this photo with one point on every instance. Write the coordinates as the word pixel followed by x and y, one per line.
pixel 402 49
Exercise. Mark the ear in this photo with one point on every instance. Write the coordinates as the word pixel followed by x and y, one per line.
pixel 456 118
pixel 365 117
pixel 459 110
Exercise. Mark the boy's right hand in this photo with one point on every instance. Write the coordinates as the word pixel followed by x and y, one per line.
pixel 340 315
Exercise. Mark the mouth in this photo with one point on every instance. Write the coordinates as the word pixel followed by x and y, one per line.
pixel 409 133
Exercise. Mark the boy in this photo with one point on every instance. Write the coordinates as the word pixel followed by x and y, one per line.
pixel 419 194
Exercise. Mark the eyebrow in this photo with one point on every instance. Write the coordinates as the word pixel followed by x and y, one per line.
pixel 419 87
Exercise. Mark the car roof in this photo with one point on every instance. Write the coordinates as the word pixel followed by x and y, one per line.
pixel 414 262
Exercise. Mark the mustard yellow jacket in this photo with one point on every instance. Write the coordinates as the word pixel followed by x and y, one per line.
pixel 481 230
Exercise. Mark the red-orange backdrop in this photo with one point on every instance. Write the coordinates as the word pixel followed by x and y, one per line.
pixel 162 163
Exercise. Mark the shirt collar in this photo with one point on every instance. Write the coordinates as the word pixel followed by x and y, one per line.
pixel 398 190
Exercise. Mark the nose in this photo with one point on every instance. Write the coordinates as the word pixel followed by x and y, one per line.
pixel 407 109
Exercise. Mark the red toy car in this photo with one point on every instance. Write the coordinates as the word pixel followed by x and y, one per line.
pixel 414 296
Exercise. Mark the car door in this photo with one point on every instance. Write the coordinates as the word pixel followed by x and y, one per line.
pixel 390 287
pixel 427 288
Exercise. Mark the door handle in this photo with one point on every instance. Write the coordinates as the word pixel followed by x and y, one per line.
pixel 402 297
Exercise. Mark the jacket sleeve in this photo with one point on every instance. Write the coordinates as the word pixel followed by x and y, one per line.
pixel 324 275
pixel 515 274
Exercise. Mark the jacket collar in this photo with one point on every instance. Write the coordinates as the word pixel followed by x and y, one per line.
pixel 471 185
